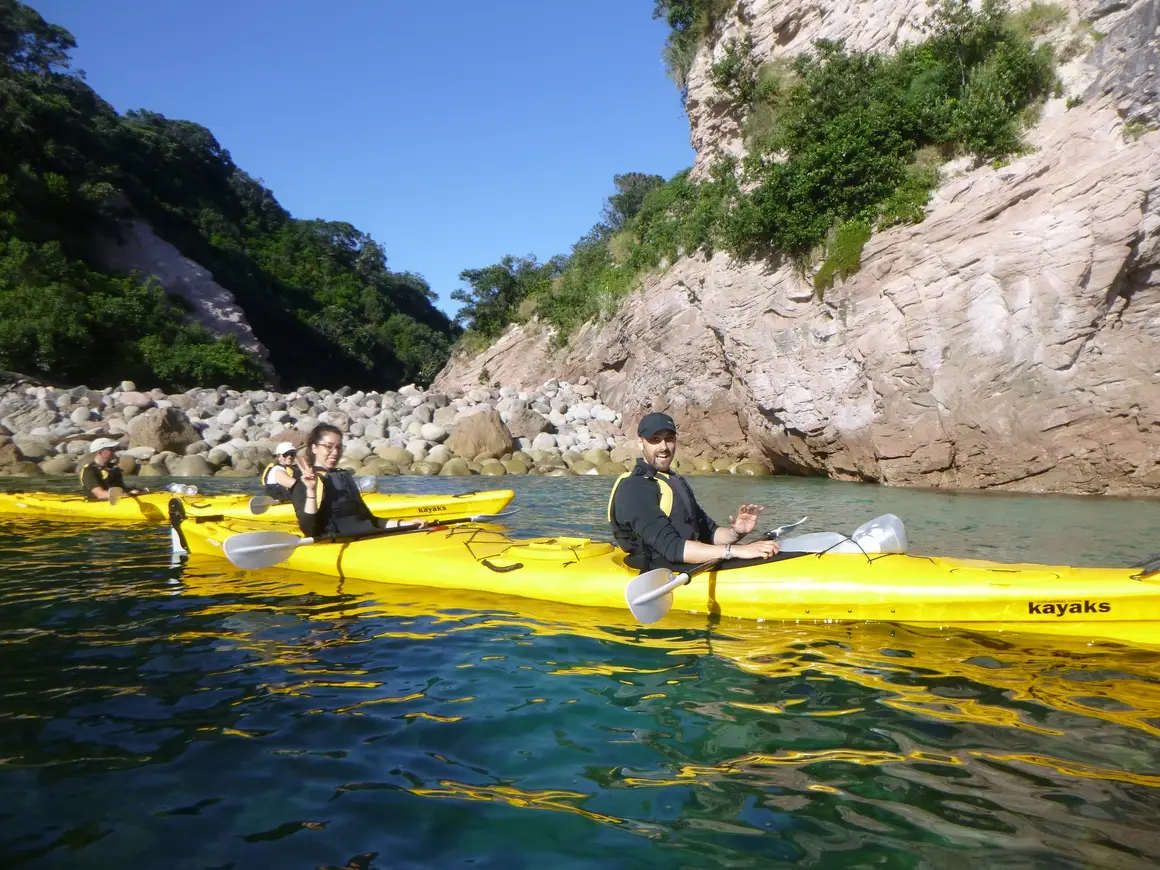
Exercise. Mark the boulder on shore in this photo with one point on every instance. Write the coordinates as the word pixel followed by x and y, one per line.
pixel 484 432
pixel 162 429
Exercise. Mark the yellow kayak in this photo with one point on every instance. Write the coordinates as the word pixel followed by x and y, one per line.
pixel 1120 604
pixel 154 507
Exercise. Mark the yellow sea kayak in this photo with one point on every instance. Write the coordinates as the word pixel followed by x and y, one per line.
pixel 1086 603
pixel 154 507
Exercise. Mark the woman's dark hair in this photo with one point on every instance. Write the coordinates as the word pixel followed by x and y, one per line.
pixel 316 435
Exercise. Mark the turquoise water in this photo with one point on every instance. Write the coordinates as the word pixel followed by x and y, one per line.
pixel 159 714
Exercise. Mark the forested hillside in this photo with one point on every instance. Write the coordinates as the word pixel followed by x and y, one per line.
pixel 317 294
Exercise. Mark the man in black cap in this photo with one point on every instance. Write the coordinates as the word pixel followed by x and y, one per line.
pixel 655 516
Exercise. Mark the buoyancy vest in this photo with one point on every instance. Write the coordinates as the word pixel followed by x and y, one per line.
pixel 674 498
pixel 340 501
pixel 277 490
pixel 108 476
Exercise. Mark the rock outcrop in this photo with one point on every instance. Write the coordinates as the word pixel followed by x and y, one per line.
pixel 1128 58
pixel 142 251
pixel 1007 341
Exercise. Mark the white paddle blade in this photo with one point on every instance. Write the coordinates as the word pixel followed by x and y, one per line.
pixel 254 550
pixel 781 530
pixel 650 595
pixel 259 504
pixel 115 493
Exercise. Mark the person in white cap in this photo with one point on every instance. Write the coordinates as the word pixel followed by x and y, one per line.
pixel 280 475
pixel 102 474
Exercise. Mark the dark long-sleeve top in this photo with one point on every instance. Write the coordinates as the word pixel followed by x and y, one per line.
pixel 104 476
pixel 341 509
pixel 644 531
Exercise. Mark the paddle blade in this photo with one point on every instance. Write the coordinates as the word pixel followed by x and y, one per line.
pixel 259 504
pixel 650 595
pixel 115 493
pixel 254 550
pixel 774 534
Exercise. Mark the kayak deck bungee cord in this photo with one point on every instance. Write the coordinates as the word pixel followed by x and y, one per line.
pixel 832 585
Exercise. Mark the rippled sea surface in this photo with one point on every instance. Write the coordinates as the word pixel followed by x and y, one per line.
pixel 162 714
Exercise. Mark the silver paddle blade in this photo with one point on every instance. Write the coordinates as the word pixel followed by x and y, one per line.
pixel 650 595
pixel 254 550
pixel 259 504
pixel 774 534
pixel 368 483
pixel 115 494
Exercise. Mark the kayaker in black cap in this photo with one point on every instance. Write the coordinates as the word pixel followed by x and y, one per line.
pixel 655 516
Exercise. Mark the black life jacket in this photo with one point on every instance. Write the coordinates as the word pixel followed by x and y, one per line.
pixel 675 499
pixel 340 501
pixel 110 475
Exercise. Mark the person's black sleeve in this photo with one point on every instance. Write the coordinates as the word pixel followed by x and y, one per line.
pixel 308 523
pixel 637 506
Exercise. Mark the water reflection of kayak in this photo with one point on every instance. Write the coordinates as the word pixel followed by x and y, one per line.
pixel 950 675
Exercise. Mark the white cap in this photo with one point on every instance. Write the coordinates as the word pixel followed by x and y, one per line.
pixel 284 448
pixel 103 443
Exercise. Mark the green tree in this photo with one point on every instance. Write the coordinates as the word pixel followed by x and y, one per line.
pixel 631 189
pixel 494 293
pixel 30 44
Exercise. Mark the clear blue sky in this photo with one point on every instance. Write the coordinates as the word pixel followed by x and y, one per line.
pixel 453 132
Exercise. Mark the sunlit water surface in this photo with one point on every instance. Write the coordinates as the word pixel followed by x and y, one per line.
pixel 159 714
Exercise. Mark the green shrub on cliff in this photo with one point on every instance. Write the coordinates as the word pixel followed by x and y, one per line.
pixel 690 22
pixel 566 290
pixel 494 293
pixel 318 294
pixel 840 143
pixel 840 138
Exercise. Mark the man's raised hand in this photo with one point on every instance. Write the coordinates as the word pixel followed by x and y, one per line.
pixel 746 519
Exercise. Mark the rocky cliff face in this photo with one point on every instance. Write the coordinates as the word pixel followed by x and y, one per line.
pixel 1010 340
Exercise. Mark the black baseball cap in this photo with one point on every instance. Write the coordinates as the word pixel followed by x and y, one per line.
pixel 651 424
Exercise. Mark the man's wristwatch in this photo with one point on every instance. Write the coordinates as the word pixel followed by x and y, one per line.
pixel 728 551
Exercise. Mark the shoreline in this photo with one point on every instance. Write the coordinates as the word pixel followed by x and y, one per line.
pixel 559 429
